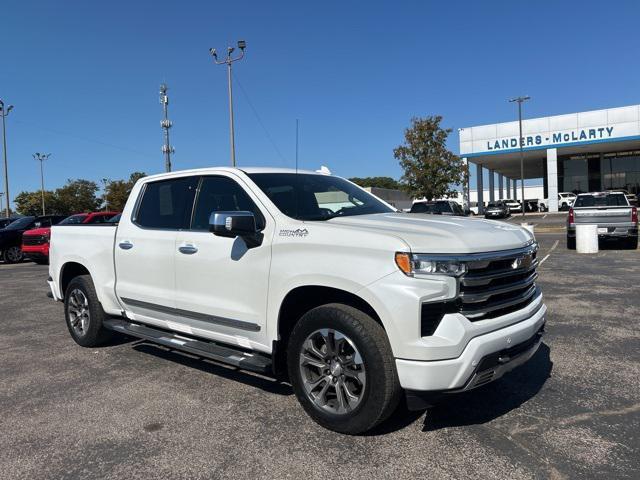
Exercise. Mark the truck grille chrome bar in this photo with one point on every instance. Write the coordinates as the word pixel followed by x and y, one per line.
pixel 496 286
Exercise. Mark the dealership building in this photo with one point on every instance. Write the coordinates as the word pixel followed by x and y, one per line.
pixel 576 152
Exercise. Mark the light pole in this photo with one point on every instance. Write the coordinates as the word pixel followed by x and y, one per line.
pixel 228 61
pixel 520 101
pixel 166 124
pixel 4 111
pixel 105 184
pixel 41 157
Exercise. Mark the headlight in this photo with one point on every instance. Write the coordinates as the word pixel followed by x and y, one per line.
pixel 423 264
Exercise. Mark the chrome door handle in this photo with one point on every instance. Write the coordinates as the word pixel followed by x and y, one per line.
pixel 187 249
pixel 126 245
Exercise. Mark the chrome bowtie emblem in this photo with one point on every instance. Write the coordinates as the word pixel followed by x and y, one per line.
pixel 517 262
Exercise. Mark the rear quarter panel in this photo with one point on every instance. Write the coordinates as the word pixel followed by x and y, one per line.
pixel 92 247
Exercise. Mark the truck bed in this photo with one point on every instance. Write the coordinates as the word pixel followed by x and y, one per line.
pixel 89 245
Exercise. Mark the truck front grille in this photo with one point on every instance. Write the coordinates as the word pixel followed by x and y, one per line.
pixel 34 240
pixel 500 283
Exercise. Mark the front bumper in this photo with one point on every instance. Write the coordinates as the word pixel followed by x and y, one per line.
pixel 36 251
pixel 469 369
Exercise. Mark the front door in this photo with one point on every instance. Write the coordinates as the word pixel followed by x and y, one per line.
pixel 221 285
pixel 145 248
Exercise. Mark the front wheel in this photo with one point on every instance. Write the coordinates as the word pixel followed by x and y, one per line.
pixel 13 255
pixel 83 313
pixel 342 369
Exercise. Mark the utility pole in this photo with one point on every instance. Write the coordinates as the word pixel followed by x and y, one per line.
pixel 41 157
pixel 228 61
pixel 520 101
pixel 105 184
pixel 4 111
pixel 166 124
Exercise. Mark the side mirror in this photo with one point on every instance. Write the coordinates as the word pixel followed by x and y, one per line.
pixel 236 224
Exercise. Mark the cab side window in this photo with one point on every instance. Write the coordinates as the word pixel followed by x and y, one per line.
pixel 167 204
pixel 222 194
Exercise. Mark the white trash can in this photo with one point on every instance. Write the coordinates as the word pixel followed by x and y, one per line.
pixel 529 227
pixel 587 238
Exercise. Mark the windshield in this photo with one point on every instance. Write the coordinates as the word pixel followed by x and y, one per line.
pixel 317 197
pixel 434 208
pixel 73 220
pixel 20 223
pixel 603 200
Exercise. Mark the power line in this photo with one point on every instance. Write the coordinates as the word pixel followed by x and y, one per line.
pixel 255 112
pixel 86 139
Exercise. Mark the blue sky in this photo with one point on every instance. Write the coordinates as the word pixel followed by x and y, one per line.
pixel 84 77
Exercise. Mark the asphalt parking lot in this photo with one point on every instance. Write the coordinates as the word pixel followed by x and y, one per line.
pixel 133 410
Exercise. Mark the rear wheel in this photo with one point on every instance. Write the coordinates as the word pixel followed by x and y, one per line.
pixel 342 369
pixel 13 255
pixel 632 243
pixel 84 314
pixel 571 243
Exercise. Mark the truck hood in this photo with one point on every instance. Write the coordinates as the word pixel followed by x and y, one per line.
pixel 440 234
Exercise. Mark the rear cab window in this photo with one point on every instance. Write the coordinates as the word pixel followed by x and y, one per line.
pixel 601 200
pixel 167 204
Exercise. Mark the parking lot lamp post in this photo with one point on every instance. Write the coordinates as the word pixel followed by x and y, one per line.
pixel 228 61
pixel 41 157
pixel 4 111
pixel 520 101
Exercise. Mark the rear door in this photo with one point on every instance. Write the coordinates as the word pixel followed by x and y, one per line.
pixel 221 285
pixel 145 247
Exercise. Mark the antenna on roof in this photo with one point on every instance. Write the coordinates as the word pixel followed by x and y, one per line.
pixel 296 145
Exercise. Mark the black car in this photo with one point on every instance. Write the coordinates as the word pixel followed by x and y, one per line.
pixel 5 221
pixel 497 209
pixel 438 207
pixel 11 236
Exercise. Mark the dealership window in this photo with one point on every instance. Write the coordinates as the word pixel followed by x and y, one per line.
pixel 599 171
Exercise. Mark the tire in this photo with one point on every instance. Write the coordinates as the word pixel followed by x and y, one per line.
pixel 13 255
pixel 571 243
pixel 372 385
pixel 83 313
pixel 632 243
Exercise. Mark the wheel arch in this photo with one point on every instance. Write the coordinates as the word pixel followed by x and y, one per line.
pixel 300 300
pixel 68 272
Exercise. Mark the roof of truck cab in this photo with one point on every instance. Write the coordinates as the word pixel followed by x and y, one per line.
pixel 247 170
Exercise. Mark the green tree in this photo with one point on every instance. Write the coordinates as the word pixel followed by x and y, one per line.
pixel 30 203
pixel 431 170
pixel 77 196
pixel 380 182
pixel 117 191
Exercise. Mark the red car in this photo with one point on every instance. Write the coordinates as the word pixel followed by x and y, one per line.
pixel 35 243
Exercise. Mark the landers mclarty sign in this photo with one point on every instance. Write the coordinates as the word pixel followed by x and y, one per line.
pixel 579 135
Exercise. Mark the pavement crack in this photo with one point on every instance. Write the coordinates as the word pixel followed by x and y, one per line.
pixel 581 417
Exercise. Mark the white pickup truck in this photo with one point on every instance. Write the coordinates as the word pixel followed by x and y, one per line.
pixel 307 277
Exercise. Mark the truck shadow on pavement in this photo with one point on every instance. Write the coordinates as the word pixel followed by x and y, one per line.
pixel 477 406
pixel 268 384
pixel 494 400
